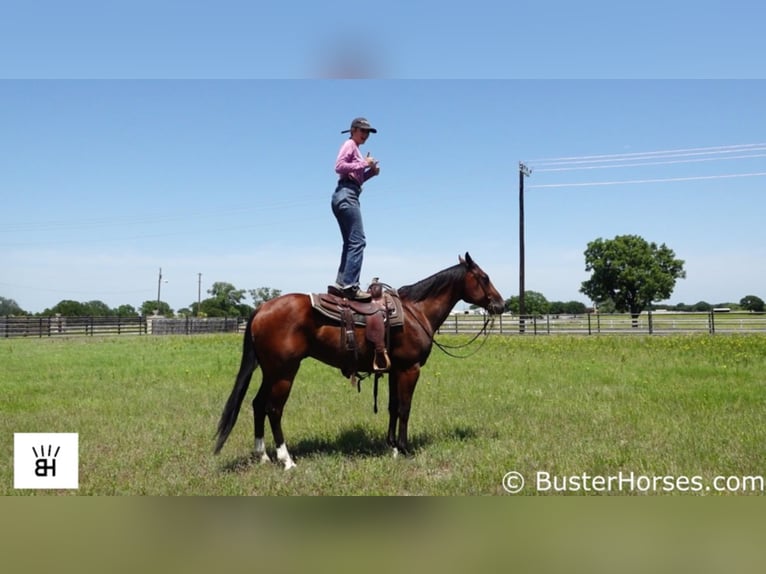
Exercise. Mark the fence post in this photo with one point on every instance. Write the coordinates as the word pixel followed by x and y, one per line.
pixel 651 326
pixel 711 322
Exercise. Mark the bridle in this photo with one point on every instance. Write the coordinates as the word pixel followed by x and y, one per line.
pixel 488 323
pixel 480 280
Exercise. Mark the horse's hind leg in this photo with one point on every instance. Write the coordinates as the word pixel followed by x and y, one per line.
pixel 259 420
pixel 279 394
pixel 270 401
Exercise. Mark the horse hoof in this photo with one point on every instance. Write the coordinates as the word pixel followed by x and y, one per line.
pixel 284 457
pixel 405 452
pixel 261 457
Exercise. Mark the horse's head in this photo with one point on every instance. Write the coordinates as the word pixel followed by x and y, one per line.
pixel 478 288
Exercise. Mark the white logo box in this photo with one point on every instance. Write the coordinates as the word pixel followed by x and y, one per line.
pixel 46 460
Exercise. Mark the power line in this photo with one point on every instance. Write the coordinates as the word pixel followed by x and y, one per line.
pixel 670 162
pixel 660 180
pixel 652 158
pixel 637 155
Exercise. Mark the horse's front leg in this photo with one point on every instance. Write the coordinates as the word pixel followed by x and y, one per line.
pixel 404 383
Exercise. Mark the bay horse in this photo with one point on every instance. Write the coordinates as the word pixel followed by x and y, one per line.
pixel 285 330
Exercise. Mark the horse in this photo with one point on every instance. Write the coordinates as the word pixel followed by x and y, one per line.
pixel 287 329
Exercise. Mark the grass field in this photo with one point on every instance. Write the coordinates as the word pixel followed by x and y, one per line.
pixel 656 409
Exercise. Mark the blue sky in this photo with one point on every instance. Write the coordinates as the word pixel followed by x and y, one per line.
pixel 399 38
pixel 111 166
pixel 106 181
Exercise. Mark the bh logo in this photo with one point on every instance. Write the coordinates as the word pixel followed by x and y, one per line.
pixel 42 466
pixel 45 460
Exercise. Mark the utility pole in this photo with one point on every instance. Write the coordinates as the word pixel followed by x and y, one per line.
pixel 524 171
pixel 159 288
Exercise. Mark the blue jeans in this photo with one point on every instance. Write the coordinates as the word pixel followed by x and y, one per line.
pixel 345 207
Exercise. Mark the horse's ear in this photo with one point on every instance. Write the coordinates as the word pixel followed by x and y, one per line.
pixel 461 260
pixel 468 261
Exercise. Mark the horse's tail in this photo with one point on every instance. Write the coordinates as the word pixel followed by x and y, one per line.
pixel 246 368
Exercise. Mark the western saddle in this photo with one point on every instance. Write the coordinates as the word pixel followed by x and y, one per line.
pixel 377 316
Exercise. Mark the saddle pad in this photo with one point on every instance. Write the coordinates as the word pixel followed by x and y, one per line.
pixel 330 306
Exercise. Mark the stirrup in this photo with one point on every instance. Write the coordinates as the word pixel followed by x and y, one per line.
pixel 378 369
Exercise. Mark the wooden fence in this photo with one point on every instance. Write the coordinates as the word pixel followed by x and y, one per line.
pixel 79 326
pixel 595 324
pixel 591 324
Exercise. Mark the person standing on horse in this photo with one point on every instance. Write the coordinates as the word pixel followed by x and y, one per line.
pixel 353 170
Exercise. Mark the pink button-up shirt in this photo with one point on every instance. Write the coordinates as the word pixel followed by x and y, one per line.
pixel 350 163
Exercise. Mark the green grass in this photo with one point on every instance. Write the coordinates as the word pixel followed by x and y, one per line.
pixel 146 410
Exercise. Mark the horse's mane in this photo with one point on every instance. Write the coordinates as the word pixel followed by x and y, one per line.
pixel 433 284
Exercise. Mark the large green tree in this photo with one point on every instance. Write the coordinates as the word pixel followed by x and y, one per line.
pixel 567 308
pixel 10 307
pixel 630 271
pixel 126 311
pixel 752 303
pixel 225 301
pixel 263 294
pixel 68 308
pixel 150 307
pixel 534 303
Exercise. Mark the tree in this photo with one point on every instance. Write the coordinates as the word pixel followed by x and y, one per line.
pixel 126 311
pixel 606 307
pixel 226 293
pixel 752 303
pixel 631 272
pixel 263 294
pixel 150 306
pixel 68 308
pixel 10 307
pixel 225 301
pixel 98 309
pixel 535 303
pixel 567 308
